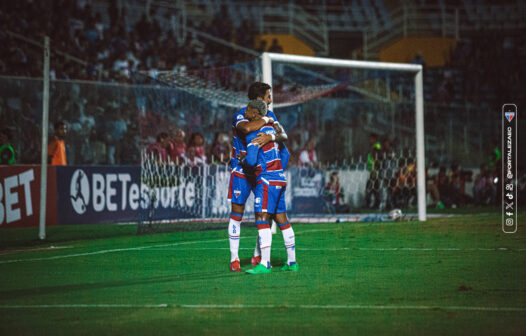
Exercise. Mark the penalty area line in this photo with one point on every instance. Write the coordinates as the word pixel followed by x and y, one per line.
pixel 242 306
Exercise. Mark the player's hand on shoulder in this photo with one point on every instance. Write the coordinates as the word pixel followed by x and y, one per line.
pixel 269 119
pixel 262 139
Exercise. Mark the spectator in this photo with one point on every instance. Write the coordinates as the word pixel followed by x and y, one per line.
pixel 221 148
pixel 192 159
pixel 335 195
pixel 275 47
pixel 374 152
pixel 196 149
pixel 419 59
pixel 115 130
pixel 56 150
pixel 387 168
pixel 483 187
pixel 308 157
pixel 431 188
pixel 7 153
pixel 405 191
pixel 495 156
pixel 178 147
pixel 458 185
pixel 262 46
pixel 158 150
pixel 443 186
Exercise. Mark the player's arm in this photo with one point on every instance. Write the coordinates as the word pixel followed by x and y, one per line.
pixel 263 138
pixel 252 151
pixel 247 127
pixel 284 155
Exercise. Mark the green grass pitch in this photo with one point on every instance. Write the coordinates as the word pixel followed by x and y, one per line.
pixel 448 276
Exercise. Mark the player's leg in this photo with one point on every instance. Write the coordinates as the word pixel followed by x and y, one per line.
pixel 261 203
pixel 256 259
pixel 234 233
pixel 238 192
pixel 289 240
pixel 288 233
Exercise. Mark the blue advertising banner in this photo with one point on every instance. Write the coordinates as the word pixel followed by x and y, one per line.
pixel 111 194
pixel 307 185
pixel 97 194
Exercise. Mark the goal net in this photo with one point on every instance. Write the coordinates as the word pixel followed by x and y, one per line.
pixel 185 126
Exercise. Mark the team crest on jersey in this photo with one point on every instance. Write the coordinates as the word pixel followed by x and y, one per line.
pixel 257 200
pixel 237 193
pixel 278 187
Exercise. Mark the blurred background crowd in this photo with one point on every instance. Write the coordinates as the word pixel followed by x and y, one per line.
pixel 97 46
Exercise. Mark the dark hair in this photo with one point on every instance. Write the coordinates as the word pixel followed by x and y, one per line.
pixel 193 136
pixel 58 124
pixel 161 136
pixel 257 89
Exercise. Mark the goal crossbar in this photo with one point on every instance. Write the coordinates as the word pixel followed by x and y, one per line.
pixel 416 69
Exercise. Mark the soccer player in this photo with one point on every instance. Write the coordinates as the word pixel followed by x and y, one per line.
pixel 270 191
pixel 241 184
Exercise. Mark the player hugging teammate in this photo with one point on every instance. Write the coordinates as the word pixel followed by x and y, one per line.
pixel 258 136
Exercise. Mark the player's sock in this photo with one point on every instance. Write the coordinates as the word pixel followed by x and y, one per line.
pixel 234 232
pixel 256 259
pixel 290 242
pixel 265 242
pixel 257 250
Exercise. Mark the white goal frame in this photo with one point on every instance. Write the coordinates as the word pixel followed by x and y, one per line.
pixel 416 69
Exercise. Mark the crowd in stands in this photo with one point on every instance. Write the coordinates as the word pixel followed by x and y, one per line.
pixel 173 149
pixel 392 181
pixel 101 131
pixel 108 51
pixel 488 68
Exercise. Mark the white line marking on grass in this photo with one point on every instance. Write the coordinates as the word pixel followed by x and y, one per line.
pixel 109 251
pixel 242 306
pixel 132 249
pixel 388 249
pixel 34 249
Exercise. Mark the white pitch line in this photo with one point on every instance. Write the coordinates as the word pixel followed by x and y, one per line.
pixel 242 306
pixel 131 249
pixel 388 249
pixel 107 251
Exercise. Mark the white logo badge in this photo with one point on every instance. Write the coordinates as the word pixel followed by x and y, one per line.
pixel 79 191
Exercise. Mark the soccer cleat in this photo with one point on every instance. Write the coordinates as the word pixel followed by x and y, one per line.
pixel 255 260
pixel 259 269
pixel 234 266
pixel 294 267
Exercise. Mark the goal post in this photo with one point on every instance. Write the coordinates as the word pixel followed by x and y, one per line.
pixel 415 69
pixel 45 122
